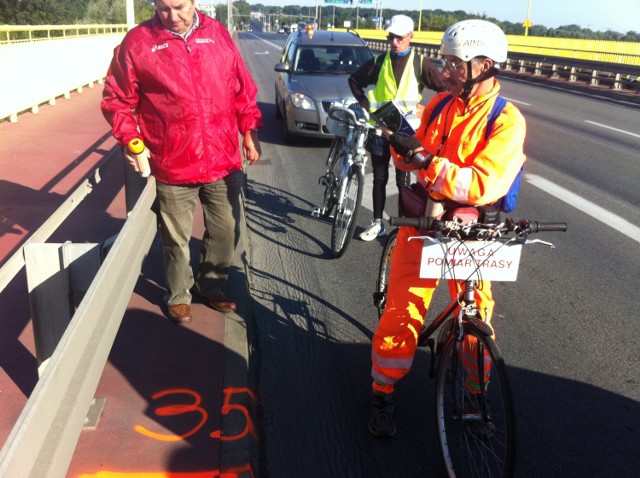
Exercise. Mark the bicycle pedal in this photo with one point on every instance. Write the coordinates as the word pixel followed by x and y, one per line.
pixel 316 212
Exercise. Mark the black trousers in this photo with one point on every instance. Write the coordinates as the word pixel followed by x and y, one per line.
pixel 380 158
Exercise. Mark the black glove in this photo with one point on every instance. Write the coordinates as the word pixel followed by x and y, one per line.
pixel 404 144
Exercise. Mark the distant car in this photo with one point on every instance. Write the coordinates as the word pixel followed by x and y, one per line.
pixel 312 76
pixel 281 30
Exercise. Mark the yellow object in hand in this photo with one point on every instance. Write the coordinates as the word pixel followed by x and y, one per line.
pixel 136 146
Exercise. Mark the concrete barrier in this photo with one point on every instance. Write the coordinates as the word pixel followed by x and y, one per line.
pixel 34 73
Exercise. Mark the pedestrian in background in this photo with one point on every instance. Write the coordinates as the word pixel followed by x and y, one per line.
pixel 178 83
pixel 397 75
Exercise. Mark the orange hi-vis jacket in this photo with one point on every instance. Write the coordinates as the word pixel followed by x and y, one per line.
pixel 466 169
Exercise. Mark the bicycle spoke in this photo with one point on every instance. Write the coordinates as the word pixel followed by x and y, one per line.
pixel 476 430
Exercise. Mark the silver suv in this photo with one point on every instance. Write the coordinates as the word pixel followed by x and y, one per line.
pixel 312 76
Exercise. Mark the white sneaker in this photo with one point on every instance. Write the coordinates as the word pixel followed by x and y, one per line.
pixel 375 229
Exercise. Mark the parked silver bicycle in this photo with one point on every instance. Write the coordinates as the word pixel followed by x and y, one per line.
pixel 344 177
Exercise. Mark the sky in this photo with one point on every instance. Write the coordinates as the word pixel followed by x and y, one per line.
pixel 598 15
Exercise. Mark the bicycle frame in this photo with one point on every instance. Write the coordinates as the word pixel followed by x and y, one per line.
pixel 353 154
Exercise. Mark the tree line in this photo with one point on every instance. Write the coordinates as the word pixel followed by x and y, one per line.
pixel 69 12
pixel 435 20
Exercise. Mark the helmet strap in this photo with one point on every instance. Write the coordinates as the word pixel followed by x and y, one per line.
pixel 469 82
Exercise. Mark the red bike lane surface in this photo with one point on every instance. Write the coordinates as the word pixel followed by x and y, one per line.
pixel 163 384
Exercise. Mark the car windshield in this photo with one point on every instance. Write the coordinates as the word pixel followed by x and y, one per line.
pixel 330 60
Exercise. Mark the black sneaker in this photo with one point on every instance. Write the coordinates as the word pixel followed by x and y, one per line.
pixel 381 421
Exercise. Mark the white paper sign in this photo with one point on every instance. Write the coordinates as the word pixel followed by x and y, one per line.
pixel 478 260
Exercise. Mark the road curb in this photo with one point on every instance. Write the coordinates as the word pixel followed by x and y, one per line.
pixel 239 446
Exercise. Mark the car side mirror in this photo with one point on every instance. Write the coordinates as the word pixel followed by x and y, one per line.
pixel 282 68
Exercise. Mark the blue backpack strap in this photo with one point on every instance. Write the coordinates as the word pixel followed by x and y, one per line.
pixel 498 106
pixel 438 108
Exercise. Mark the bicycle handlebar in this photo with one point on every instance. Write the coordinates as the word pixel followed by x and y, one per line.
pixel 360 119
pixel 477 230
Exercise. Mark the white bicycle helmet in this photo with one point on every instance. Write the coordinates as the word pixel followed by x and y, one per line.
pixel 471 38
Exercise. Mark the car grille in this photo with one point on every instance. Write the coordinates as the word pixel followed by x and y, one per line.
pixel 327 104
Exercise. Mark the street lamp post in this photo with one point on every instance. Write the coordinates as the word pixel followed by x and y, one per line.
pixel 527 23
pixel 420 17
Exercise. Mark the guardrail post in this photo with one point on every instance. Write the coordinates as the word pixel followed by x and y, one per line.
pixel 554 71
pixel 538 68
pixel 617 84
pixel 573 76
pixel 594 78
pixel 58 276
pixel 523 68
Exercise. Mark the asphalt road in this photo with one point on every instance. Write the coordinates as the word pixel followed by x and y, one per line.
pixel 568 328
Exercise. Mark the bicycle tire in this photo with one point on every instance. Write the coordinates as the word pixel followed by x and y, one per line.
pixel 479 444
pixel 344 222
pixel 330 177
pixel 380 295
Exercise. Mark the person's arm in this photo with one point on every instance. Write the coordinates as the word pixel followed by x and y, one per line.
pixel 494 167
pixel 251 146
pixel 121 96
pixel 247 113
pixel 360 79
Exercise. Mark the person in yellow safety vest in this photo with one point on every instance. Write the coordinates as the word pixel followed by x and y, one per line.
pixel 395 78
pixel 461 166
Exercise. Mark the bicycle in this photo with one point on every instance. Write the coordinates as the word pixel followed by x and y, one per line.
pixel 344 177
pixel 476 425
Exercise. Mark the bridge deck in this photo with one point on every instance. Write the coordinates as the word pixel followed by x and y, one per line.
pixel 164 384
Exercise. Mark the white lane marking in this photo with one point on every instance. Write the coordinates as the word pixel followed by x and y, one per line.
pixel 612 128
pixel 277 47
pixel 517 102
pixel 587 207
pixel 261 52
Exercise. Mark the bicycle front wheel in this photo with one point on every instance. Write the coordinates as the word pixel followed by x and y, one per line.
pixel 344 222
pixel 329 180
pixel 476 423
pixel 380 295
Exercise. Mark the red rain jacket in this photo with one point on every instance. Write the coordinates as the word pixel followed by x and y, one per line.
pixel 189 99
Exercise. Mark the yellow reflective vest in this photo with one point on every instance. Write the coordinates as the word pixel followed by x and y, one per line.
pixel 406 95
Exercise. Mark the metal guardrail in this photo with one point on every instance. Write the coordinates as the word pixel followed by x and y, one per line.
pixel 27 33
pixel 618 52
pixel 44 438
pixel 614 76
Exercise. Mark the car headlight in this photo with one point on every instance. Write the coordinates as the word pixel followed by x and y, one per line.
pixel 303 102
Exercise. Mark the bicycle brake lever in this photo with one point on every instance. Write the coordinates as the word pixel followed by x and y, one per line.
pixel 539 241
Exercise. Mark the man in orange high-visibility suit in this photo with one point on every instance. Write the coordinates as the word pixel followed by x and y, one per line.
pixel 460 165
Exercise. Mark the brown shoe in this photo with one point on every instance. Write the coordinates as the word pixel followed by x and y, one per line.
pixel 180 313
pixel 219 302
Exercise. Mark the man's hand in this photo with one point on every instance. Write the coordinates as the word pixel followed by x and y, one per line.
pixel 138 162
pixel 251 146
pixel 404 144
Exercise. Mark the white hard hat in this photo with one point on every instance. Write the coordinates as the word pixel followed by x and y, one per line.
pixel 470 38
pixel 401 25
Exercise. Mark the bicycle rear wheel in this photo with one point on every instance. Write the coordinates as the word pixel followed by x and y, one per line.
pixel 380 295
pixel 344 222
pixel 476 427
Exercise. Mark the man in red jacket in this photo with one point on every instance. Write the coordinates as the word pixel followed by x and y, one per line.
pixel 178 83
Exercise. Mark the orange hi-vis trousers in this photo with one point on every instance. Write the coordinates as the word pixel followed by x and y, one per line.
pixel 408 298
